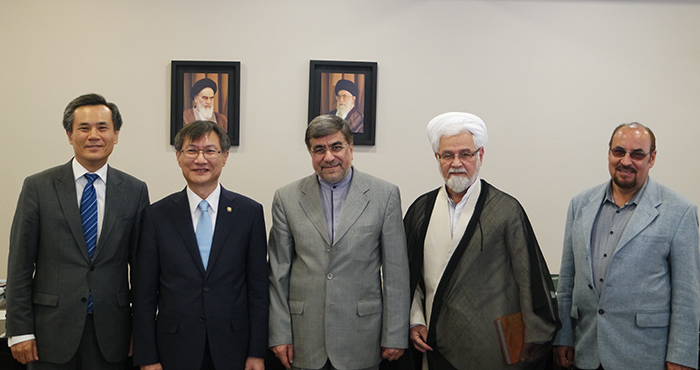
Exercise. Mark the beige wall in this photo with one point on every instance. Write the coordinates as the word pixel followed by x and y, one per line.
pixel 550 78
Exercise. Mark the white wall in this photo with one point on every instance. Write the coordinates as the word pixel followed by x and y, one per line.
pixel 551 79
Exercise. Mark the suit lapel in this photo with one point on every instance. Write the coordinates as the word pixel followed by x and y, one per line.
pixel 310 202
pixel 225 218
pixel 588 216
pixel 645 213
pixel 65 189
pixel 113 202
pixel 182 218
pixel 354 205
pixel 585 230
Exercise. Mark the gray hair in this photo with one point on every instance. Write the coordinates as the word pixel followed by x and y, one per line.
pixel 325 125
pixel 455 123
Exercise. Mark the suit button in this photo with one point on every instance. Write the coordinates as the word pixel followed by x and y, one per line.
pixel 601 311
pixel 206 288
pixel 83 299
pixel 92 268
pixel 330 276
pixel 590 286
pixel 201 318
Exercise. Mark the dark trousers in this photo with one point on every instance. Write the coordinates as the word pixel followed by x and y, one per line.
pixel 207 362
pixel 88 356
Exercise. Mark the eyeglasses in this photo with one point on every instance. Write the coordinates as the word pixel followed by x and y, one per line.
pixel 209 153
pixel 463 156
pixel 636 154
pixel 321 150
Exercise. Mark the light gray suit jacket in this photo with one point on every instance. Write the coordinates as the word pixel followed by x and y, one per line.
pixel 50 273
pixel 649 310
pixel 329 300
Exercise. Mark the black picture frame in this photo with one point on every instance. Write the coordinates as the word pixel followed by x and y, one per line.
pixel 323 78
pixel 226 75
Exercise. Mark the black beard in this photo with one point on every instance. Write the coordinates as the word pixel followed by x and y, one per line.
pixel 622 185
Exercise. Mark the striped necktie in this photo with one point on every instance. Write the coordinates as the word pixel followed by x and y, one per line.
pixel 88 215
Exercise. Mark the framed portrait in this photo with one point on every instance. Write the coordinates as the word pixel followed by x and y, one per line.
pixel 348 90
pixel 205 91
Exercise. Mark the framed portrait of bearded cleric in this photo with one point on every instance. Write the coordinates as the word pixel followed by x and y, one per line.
pixel 207 91
pixel 348 90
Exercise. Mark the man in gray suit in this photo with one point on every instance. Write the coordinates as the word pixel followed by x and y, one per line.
pixel 629 286
pixel 73 234
pixel 339 294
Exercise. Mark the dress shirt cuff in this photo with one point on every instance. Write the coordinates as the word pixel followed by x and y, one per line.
pixel 417 315
pixel 11 341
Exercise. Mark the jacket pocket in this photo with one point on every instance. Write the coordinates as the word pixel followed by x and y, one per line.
pixel 123 299
pixel 167 326
pixel 653 319
pixel 654 238
pixel 369 306
pixel 45 299
pixel 239 324
pixel 574 311
pixel 296 307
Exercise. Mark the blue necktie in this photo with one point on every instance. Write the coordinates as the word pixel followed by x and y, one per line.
pixel 88 215
pixel 204 232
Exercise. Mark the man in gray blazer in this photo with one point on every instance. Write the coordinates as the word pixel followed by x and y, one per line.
pixel 629 286
pixel 339 295
pixel 68 287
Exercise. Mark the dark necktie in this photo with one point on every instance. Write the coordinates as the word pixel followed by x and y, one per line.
pixel 88 215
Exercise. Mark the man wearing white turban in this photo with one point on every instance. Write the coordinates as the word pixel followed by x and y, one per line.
pixel 473 258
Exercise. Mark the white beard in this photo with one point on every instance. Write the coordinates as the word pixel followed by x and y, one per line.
pixel 459 184
pixel 343 110
pixel 206 113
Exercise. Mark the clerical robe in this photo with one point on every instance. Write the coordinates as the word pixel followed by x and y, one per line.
pixel 496 269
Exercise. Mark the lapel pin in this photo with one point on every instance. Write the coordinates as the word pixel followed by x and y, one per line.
pixel 228 209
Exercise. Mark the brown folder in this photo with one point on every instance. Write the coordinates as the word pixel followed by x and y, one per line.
pixel 511 334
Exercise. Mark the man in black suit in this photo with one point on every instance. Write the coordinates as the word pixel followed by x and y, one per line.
pixel 200 286
pixel 73 235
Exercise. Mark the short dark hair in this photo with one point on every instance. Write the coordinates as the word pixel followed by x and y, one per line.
pixel 325 125
pixel 86 100
pixel 197 129
pixel 651 134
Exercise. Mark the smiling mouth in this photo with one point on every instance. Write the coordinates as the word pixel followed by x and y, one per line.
pixel 624 169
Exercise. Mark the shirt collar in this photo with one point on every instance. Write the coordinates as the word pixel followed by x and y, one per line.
pixel 466 195
pixel 634 200
pixel 80 171
pixel 212 199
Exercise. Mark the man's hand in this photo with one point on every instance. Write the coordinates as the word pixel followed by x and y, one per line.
pixel 564 356
pixel 157 366
pixel 25 352
pixel 285 352
pixel 418 335
pixel 391 354
pixel 254 363
pixel 674 366
pixel 533 351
